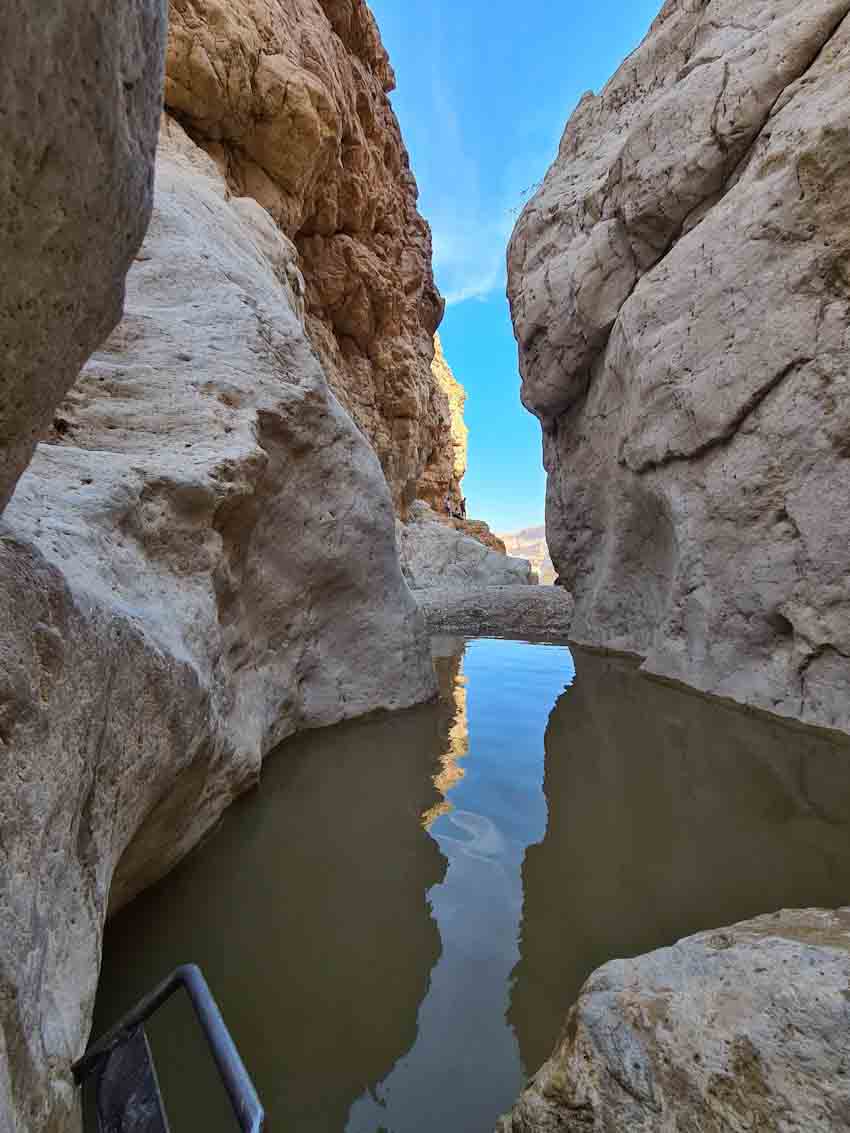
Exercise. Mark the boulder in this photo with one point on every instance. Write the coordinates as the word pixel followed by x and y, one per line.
pixel 530 543
pixel 742 1028
pixel 434 554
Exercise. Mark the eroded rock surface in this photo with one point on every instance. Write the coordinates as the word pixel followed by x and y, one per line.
pixel 81 91
pixel 446 468
pixel 290 99
pixel 200 563
pixel 438 554
pixel 743 1028
pixel 515 611
pixel 679 293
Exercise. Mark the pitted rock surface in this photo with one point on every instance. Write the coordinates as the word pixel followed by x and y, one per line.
pixel 741 1028
pixel 536 613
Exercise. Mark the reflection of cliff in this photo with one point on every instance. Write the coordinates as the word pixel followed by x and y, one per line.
pixel 308 913
pixel 668 814
pixel 449 653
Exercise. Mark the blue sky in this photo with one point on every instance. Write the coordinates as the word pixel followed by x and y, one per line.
pixel 485 88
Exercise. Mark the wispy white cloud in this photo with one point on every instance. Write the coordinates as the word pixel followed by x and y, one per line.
pixel 472 214
pixel 469 255
pixel 472 173
pixel 470 227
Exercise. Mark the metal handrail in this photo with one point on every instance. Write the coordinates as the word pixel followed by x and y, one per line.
pixel 243 1097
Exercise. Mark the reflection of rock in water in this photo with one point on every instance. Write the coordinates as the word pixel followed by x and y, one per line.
pixel 448 654
pixel 668 813
pixel 308 913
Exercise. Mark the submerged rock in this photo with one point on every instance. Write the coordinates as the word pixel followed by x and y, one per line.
pixel 437 554
pixel 679 294
pixel 743 1028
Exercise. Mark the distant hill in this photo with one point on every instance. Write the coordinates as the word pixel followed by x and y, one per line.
pixel 530 543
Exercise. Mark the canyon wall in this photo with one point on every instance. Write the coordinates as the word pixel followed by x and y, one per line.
pixel 79 80
pixel 200 559
pixel 679 288
pixel 447 466
pixel 289 97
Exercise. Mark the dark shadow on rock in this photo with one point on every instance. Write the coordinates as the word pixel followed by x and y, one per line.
pixel 669 813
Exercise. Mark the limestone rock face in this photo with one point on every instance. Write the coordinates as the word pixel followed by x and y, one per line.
pixel 447 466
pixel 743 1028
pixel 290 99
pixel 679 293
pixel 81 91
pixel 200 563
pixel 434 554
pixel 514 611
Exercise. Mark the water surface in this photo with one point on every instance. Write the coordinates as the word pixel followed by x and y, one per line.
pixel 396 923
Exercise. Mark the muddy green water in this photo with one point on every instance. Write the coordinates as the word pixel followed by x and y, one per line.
pixel 395 924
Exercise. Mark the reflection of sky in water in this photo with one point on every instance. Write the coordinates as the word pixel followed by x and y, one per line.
pixel 669 813
pixel 464 1069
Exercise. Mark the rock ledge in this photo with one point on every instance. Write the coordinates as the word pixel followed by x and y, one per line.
pixel 500 611
pixel 744 1028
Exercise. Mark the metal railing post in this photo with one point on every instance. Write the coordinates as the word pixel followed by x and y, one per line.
pixel 243 1097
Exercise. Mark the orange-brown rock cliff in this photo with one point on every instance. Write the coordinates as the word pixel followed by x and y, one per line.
pixel 290 99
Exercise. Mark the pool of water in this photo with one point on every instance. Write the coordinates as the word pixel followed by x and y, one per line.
pixel 396 923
